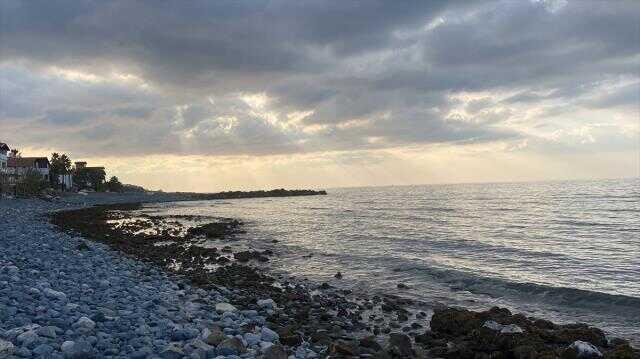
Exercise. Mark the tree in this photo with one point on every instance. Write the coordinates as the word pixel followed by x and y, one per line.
pixel 90 177
pixel 30 184
pixel 59 165
pixel 114 185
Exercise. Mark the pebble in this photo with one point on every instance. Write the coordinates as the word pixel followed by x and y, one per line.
pixel 98 303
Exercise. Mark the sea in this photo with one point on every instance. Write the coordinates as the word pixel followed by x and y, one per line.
pixel 566 251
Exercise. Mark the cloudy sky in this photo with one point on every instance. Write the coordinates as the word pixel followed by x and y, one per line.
pixel 216 95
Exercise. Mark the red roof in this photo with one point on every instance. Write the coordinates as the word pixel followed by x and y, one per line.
pixel 27 162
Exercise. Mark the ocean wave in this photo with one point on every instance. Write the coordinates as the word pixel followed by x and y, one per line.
pixel 496 288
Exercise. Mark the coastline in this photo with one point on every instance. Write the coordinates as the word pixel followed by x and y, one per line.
pixel 306 319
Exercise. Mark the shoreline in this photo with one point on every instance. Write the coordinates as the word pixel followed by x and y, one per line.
pixel 312 320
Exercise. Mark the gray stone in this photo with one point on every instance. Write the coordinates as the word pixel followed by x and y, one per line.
pixel 172 352
pixel 50 293
pixel 269 335
pixel 48 331
pixel 79 350
pixel 6 348
pixel 225 307
pixel 43 350
pixel 231 346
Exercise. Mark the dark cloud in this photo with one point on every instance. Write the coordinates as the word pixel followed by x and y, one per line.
pixel 170 76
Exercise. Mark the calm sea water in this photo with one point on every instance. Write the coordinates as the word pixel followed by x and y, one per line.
pixel 565 251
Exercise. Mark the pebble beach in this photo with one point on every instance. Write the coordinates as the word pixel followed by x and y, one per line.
pixel 65 296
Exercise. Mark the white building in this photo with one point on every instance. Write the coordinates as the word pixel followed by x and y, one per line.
pixel 3 156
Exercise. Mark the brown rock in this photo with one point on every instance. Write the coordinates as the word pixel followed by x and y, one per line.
pixel 275 352
pixel 370 342
pixel 216 337
pixel 525 352
pixel 400 344
pixel 453 321
pixel 342 347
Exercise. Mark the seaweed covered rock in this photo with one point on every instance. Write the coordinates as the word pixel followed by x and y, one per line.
pixel 496 333
pixel 216 229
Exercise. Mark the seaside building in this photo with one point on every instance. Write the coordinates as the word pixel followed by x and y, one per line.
pixel 3 156
pixel 20 166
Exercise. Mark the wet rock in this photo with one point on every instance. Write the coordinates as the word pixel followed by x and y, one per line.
pixel 338 275
pixel 402 286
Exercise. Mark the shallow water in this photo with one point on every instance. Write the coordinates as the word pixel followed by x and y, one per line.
pixel 565 251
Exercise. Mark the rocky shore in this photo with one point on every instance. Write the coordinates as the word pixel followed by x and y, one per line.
pixel 67 291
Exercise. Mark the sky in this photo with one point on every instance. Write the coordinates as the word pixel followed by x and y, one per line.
pixel 225 95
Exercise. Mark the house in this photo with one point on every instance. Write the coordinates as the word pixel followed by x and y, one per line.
pixel 3 156
pixel 20 166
